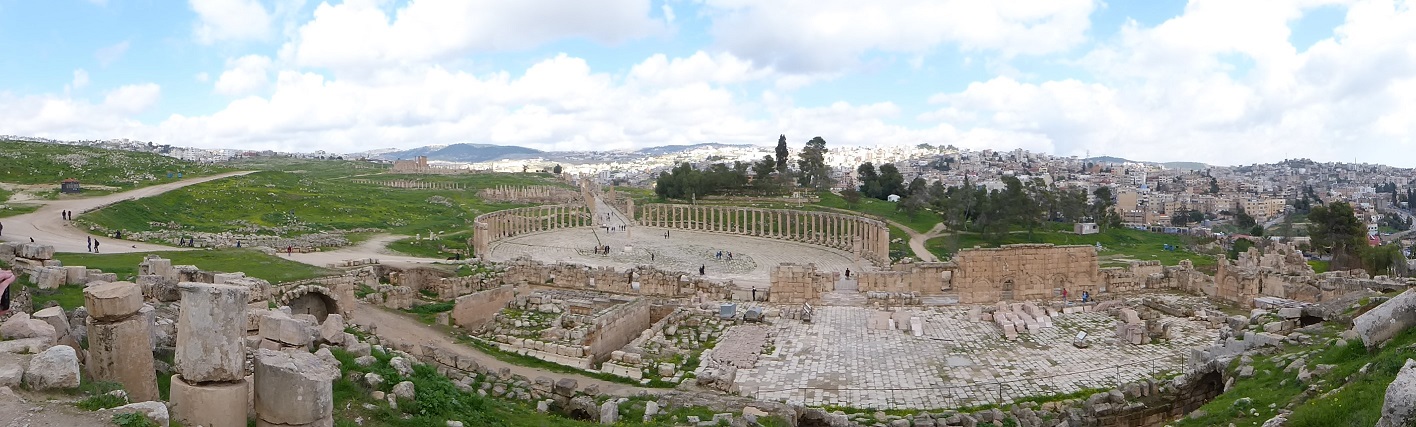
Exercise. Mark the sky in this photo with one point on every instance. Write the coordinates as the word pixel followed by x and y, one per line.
pixel 1225 82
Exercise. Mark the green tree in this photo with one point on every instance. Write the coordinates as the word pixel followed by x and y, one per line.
pixel 1244 220
pixel 556 170
pixel 812 164
pixel 1335 230
pixel 869 180
pixel 762 171
pixel 782 154
pixel 1258 230
pixel 890 182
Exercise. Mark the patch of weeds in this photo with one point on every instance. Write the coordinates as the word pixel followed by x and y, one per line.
pixel 133 419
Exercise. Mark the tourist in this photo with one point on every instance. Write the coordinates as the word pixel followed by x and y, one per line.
pixel 289 251
pixel 720 255
pixel 702 269
pixel 730 256
pixel 6 278
pixel 95 245
pixel 754 293
pixel 1064 294
pixel 1086 296
pixel 90 243
pixel 848 273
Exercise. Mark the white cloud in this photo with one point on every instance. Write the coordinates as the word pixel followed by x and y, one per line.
pixel 110 54
pixel 357 35
pixel 81 79
pixel 244 75
pixel 1172 92
pixel 808 36
pixel 230 20
pixel 130 99
pixel 722 68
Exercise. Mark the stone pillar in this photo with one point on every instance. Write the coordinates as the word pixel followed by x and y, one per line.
pixel 294 388
pixel 210 387
pixel 120 340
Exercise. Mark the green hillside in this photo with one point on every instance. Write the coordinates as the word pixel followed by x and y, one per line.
pixel 302 197
pixel 32 163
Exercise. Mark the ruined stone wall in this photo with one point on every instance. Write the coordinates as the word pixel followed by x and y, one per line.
pixel 646 281
pixel 1027 271
pixel 616 328
pixel 1283 272
pixel 926 278
pixel 865 237
pixel 494 226
pixel 529 194
pixel 474 310
pixel 795 284
pixel 412 184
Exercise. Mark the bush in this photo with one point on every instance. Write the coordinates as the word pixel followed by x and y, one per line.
pixel 133 419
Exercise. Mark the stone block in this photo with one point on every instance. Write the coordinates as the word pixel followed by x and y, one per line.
pixel 221 404
pixel 293 387
pixel 35 251
pixel 55 317
pixel 50 277
pixel 12 370
pixel 122 352
pixel 75 275
pixel 55 368
pixel 324 422
pixel 100 276
pixel 113 300
pixel 21 326
pixel 211 329
pixel 224 278
pixel 1290 312
pixel 276 326
pixel 155 411
pixel 1386 320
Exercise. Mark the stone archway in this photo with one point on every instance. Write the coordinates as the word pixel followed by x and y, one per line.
pixel 317 301
pixel 1006 289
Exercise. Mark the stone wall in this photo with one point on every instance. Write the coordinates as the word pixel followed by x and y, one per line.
pixel 865 237
pixel 646 281
pixel 926 278
pixel 1283 272
pixel 494 226
pixel 616 328
pixel 474 310
pixel 795 284
pixel 1027 271
pixel 412 184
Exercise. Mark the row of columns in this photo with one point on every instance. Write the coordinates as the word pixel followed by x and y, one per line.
pixel 494 226
pixel 866 237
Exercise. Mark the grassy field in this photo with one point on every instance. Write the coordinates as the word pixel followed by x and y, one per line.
pixel 295 198
pixel 255 264
pixel 1350 395
pixel 1119 245
pixel 40 163
pixel 921 222
pixel 432 248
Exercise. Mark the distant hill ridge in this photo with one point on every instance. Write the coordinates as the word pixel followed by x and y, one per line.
pixel 464 153
pixel 1171 165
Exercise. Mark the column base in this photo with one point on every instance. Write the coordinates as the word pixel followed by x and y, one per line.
pixel 211 405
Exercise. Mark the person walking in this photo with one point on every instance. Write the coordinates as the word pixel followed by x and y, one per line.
pixel 90 243
pixel 848 273
pixel 754 293
pixel 95 245
pixel 1064 295
pixel 702 269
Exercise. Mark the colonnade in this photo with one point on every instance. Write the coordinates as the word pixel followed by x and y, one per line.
pixel 494 226
pixel 866 237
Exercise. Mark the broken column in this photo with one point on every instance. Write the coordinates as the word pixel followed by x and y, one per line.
pixel 1130 328
pixel 293 388
pixel 210 387
pixel 120 339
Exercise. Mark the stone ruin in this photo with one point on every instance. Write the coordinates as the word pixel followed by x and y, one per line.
pixel 572 329
pixel 1283 272
pixel 529 194
pixel 795 284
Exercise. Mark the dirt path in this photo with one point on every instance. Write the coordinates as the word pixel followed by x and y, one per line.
pixel 47 226
pixel 393 327
pixel 26 409
pixel 374 247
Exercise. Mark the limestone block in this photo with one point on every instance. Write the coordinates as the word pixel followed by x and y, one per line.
pixel 75 275
pixel 50 277
pixel 293 387
pixel 221 404
pixel 254 312
pixel 100 276
pixel 609 412
pixel 35 251
pixel 122 352
pixel 55 317
pixel 25 345
pixel 258 289
pixel 1386 320
pixel 277 326
pixel 211 329
pixel 113 300
pixel 155 411
pixel 324 422
pixel 55 368
pixel 332 330
pixel 12 370
pixel 21 326
pixel 225 278
pixel 1290 312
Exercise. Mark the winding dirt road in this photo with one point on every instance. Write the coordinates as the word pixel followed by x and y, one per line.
pixel 47 225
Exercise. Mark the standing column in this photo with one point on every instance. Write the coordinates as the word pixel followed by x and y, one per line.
pixel 210 388
pixel 121 338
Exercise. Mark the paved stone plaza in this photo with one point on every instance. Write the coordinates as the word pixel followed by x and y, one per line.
pixel 837 360
pixel 751 264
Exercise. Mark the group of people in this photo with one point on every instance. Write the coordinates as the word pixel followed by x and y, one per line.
pixel 602 250
pixel 92 244
pixel 67 215
pixel 720 255
pixel 1086 296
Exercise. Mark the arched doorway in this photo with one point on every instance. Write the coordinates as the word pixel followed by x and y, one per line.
pixel 1006 293
pixel 314 303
